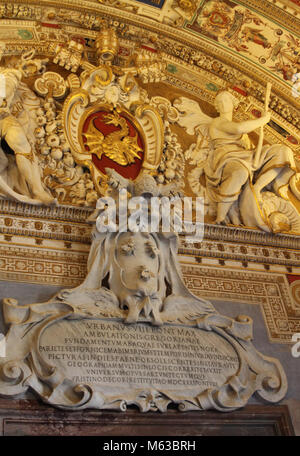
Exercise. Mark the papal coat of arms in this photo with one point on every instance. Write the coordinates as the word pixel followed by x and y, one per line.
pixel 109 125
pixel 114 141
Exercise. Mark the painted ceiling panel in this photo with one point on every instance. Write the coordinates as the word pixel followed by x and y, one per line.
pixel 261 32
pixel 240 43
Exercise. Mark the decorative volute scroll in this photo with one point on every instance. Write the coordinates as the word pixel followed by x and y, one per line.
pixel 52 84
pixel 153 129
pixel 74 108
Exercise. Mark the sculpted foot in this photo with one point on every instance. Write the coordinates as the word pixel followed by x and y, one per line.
pixel 283 192
pixel 46 198
pixel 219 221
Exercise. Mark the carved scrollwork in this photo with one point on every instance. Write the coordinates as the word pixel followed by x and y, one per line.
pixel 51 84
pixel 153 128
pixel 253 372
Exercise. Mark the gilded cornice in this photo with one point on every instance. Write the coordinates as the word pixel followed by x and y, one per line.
pixel 65 215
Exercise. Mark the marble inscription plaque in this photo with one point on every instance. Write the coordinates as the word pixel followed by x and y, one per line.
pixel 111 356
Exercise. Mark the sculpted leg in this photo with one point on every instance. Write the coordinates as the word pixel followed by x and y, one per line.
pixel 266 179
pixel 24 167
pixel 234 177
pixel 37 187
pixel 31 174
pixel 223 209
pixel 17 141
pixel 281 185
pixel 3 161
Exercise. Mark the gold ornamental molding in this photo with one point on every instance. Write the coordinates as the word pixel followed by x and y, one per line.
pixel 180 36
pixel 184 43
pixel 287 14
pixel 78 215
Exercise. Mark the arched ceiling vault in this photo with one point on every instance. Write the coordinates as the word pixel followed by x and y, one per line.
pixel 206 45
pixel 256 38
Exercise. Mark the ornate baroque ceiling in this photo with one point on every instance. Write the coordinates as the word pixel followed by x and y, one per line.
pixel 207 44
pixel 204 46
